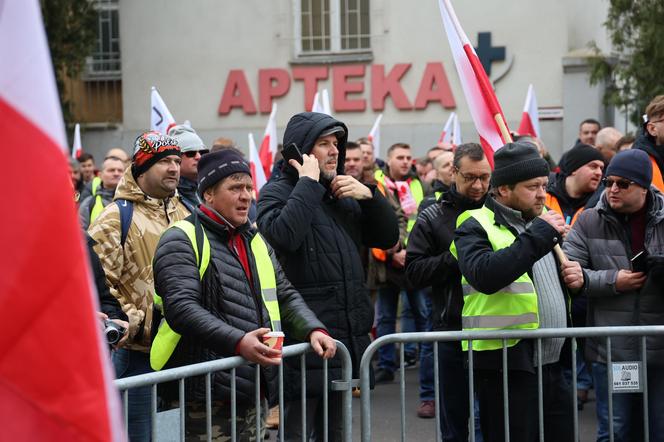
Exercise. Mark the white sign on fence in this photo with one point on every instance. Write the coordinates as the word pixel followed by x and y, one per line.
pixel 627 377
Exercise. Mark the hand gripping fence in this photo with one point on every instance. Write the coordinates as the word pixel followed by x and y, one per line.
pixel 179 374
pixel 505 335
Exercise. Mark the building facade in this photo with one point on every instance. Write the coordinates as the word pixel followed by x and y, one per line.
pixel 221 65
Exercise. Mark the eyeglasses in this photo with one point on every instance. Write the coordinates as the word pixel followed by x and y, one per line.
pixel 622 184
pixel 192 153
pixel 469 179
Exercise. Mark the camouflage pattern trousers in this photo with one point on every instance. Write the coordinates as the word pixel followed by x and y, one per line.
pixel 195 421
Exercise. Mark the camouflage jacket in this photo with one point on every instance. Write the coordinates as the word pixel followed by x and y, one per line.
pixel 129 269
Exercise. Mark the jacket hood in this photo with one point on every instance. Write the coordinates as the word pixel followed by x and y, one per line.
pixel 646 142
pixel 304 129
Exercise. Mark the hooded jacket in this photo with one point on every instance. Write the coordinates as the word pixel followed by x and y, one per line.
pixel 600 243
pixel 214 315
pixel 129 269
pixel 187 191
pixel 647 143
pixel 317 238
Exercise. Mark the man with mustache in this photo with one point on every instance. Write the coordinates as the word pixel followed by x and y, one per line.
pixel 317 218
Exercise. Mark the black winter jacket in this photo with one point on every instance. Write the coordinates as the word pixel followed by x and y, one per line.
pixel 212 324
pixel 599 241
pixel 317 238
pixel 429 261
pixel 647 143
pixel 489 271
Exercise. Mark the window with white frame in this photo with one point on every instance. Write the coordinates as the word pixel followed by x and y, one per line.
pixel 105 59
pixel 325 27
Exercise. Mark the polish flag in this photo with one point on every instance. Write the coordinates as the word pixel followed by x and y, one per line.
pixel 257 172
pixel 55 376
pixel 325 98
pixel 484 107
pixel 456 132
pixel 77 149
pixel 530 117
pixel 161 118
pixel 374 136
pixel 446 134
pixel 269 144
pixel 316 106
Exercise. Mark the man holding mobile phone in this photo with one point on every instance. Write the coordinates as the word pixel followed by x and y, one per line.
pixel 317 218
pixel 607 241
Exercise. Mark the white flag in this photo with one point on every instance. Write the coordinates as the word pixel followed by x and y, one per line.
pixel 456 131
pixel 326 103
pixel 374 136
pixel 160 117
pixel 269 143
pixel 257 173
pixel 77 149
pixel 446 134
pixel 316 106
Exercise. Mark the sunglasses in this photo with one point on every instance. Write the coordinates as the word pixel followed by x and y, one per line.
pixel 192 153
pixel 622 184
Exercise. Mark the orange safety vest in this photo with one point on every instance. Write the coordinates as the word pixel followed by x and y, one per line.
pixel 380 254
pixel 657 179
pixel 553 204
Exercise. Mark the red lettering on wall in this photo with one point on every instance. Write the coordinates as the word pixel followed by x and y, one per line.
pixel 434 87
pixel 237 94
pixel 382 86
pixel 341 88
pixel 310 76
pixel 272 83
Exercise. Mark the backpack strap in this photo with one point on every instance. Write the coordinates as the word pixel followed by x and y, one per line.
pixel 126 213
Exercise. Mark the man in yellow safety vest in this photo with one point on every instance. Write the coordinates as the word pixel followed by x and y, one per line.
pixel 510 280
pixel 102 189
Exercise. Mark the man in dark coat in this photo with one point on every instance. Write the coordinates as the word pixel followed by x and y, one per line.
pixel 228 310
pixel 316 219
pixel 628 220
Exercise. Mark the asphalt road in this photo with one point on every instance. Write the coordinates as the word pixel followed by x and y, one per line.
pixel 386 415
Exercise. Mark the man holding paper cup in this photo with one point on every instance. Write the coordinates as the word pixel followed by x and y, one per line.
pixel 223 293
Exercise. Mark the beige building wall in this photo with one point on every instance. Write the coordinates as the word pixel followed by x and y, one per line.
pixel 186 50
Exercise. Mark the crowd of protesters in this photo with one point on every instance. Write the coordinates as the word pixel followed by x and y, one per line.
pixel 340 245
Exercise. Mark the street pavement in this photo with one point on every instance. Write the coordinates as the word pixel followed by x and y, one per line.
pixel 386 414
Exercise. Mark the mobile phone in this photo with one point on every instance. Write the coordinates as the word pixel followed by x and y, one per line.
pixel 640 261
pixel 291 152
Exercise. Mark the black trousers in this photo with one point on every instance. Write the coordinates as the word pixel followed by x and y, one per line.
pixel 314 419
pixel 523 405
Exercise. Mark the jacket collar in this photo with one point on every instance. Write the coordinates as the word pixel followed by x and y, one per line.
pixel 451 197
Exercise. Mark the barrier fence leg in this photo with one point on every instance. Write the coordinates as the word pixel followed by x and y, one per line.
pixel 325 404
pixel 609 389
pixel 233 406
pixel 258 401
pixel 281 401
pixel 574 392
pixel 402 391
pixel 182 407
pixel 208 406
pixel 646 423
pixel 506 407
pixel 153 411
pixel 540 391
pixel 303 372
pixel 436 386
pixel 471 392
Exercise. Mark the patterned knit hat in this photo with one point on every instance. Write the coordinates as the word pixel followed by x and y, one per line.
pixel 149 148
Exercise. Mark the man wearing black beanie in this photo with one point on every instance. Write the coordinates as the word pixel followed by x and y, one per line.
pixel 511 281
pixel 571 189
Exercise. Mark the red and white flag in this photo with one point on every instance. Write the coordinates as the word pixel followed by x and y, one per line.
pixel 482 102
pixel 530 117
pixel 55 376
pixel 77 148
pixel 446 134
pixel 269 144
pixel 161 118
pixel 257 172
pixel 321 103
pixel 374 136
pixel 316 106
pixel 456 132
pixel 325 98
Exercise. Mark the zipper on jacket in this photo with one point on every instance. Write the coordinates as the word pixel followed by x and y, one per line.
pixel 259 305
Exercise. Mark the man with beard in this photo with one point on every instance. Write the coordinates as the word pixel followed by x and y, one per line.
pixel 510 280
pixel 353 163
pixel 316 219
pixel 579 177
pixel 429 263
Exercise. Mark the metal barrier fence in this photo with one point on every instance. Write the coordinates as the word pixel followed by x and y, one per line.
pixel 207 368
pixel 536 335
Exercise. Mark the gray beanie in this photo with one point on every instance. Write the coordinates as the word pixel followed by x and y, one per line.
pixel 187 138
pixel 516 162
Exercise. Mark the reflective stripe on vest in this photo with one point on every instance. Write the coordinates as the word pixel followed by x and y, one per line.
pixel 98 205
pixel 418 195
pixel 657 179
pixel 167 339
pixel 512 307
pixel 552 203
